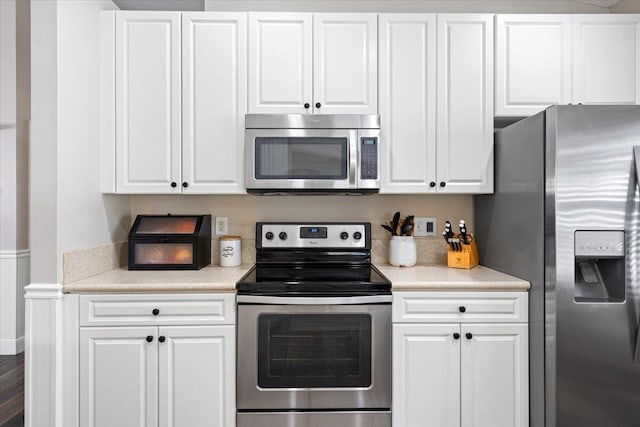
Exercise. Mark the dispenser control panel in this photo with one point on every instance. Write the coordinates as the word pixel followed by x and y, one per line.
pixel 600 243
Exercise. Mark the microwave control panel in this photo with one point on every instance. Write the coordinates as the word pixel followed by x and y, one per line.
pixel 368 157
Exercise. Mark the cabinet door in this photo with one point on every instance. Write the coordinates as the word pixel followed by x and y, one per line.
pixel 426 375
pixel 606 50
pixel 465 103
pixel 148 102
pixel 214 101
pixel 533 63
pixel 197 376
pixel 345 63
pixel 494 372
pixel 408 102
pixel 118 377
pixel 280 58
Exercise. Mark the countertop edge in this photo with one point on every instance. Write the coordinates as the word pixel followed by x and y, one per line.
pixel 417 278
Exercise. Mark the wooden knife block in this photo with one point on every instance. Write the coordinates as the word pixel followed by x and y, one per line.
pixel 466 258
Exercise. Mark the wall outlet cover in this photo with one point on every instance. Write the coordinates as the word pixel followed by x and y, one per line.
pixel 424 226
pixel 222 225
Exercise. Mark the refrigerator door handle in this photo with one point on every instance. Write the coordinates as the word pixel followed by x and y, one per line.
pixel 636 357
pixel 636 161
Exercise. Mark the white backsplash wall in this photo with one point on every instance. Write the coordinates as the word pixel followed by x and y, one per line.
pixel 244 211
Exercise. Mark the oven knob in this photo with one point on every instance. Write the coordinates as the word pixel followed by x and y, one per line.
pixel 269 235
pixel 282 235
pixel 357 235
pixel 344 235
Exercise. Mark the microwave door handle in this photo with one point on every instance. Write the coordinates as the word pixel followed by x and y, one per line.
pixel 353 158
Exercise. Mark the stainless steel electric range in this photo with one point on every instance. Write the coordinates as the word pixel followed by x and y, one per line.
pixel 314 329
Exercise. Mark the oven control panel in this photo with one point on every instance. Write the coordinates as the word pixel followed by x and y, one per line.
pixel 315 235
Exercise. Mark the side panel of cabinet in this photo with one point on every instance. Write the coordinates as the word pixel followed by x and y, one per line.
pixel 426 375
pixel 606 55
pixel 533 63
pixel 280 62
pixel 494 372
pixel 197 376
pixel 118 377
pixel 465 103
pixel 148 102
pixel 214 47
pixel 408 102
pixel 345 63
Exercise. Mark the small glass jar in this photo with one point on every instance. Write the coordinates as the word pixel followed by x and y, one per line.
pixel 402 251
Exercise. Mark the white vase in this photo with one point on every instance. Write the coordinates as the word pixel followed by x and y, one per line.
pixel 402 251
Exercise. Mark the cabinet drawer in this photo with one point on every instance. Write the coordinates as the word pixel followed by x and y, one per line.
pixel 472 307
pixel 170 309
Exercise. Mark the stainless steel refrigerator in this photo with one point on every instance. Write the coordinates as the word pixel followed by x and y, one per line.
pixel 565 216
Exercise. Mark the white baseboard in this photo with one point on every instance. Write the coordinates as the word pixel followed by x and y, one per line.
pixel 11 347
pixel 14 276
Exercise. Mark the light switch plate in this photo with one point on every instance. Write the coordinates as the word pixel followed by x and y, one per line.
pixel 222 226
pixel 424 226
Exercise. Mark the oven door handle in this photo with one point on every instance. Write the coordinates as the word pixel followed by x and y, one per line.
pixel 260 299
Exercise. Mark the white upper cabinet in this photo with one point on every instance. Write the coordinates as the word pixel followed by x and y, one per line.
pixel 280 62
pixel 465 103
pixel 305 63
pixel 147 102
pixel 606 52
pixel 214 88
pixel 174 86
pixel 345 63
pixel 533 63
pixel 436 140
pixel 407 81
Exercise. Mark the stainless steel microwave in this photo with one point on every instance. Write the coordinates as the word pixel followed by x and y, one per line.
pixel 303 153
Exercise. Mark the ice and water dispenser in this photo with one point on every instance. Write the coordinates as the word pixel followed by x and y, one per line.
pixel 599 266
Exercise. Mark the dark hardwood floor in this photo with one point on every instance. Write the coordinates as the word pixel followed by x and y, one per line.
pixel 12 391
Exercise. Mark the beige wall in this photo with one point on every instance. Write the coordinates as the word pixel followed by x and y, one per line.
pixel 14 124
pixel 627 6
pixel 244 211
pixel 43 156
pixel 87 217
pixel 442 6
pixel 23 110
pixel 67 210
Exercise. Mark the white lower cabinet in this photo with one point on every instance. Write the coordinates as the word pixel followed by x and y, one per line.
pixel 196 380
pixel 158 376
pixel 462 373
pixel 118 377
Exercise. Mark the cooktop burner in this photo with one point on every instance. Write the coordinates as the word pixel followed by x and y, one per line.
pixel 313 259
pixel 310 279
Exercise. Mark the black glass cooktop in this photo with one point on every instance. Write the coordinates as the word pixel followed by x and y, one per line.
pixel 312 280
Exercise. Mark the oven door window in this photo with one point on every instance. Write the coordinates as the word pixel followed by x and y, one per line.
pixel 301 158
pixel 314 350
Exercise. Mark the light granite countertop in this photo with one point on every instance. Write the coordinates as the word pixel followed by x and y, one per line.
pixel 441 277
pixel 214 278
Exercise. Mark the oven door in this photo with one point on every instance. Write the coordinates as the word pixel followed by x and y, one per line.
pixel 309 356
pixel 301 159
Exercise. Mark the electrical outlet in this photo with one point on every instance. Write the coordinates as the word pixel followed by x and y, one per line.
pixel 222 226
pixel 424 226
